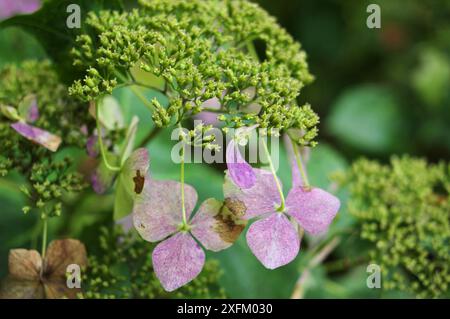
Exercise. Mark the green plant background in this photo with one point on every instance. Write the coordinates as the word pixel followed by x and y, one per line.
pixel 378 92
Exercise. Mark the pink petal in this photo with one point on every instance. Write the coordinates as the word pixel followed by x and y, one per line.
pixel 102 179
pixel 92 146
pixel 28 108
pixel 9 8
pixel 209 118
pixel 240 171
pixel 157 212
pixel 314 209
pixel 263 197
pixel 215 226
pixel 177 261
pixel 34 134
pixel 297 179
pixel 273 240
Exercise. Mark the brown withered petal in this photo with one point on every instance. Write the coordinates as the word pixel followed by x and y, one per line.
pixel 59 290
pixel 62 253
pixel 24 264
pixel 215 226
pixel 13 288
pixel 31 278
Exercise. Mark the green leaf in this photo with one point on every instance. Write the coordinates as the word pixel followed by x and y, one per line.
pixel 368 118
pixel 18 45
pixel 128 144
pixel 110 113
pixel 431 78
pixel 10 112
pixel 324 161
pixel 16 229
pixel 245 277
pixel 123 202
pixel 146 78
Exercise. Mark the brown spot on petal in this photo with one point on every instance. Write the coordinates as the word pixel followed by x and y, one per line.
pixel 236 207
pixel 138 182
pixel 228 223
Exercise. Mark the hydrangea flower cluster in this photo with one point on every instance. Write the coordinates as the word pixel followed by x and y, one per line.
pixel 403 210
pixel 197 51
pixel 201 56
pixel 162 213
pixel 35 113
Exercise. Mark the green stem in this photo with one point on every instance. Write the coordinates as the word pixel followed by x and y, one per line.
pixel 183 206
pixel 298 159
pixel 100 140
pixel 136 90
pixel 150 136
pixel 141 97
pixel 44 237
pixel 272 169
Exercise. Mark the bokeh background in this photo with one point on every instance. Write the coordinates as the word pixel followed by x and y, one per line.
pixel 378 92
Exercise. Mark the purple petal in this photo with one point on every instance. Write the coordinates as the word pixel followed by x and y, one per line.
pixel 157 212
pixel 9 8
pixel 209 118
pixel 297 179
pixel 240 171
pixel 177 261
pixel 84 130
pixel 28 108
pixel 92 146
pixel 126 223
pixel 273 240
pixel 34 134
pixel 263 197
pixel 33 114
pixel 102 179
pixel 314 209
pixel 215 226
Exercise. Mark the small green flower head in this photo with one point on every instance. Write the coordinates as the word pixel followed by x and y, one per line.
pixel 194 51
pixel 404 211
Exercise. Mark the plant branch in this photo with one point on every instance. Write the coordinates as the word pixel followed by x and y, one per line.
pixel 299 288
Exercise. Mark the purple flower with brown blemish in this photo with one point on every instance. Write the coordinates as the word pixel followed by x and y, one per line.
pixel 273 237
pixel 132 173
pixel 157 216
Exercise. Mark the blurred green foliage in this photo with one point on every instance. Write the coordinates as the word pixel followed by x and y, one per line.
pixel 377 92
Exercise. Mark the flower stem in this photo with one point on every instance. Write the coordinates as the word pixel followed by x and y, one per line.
pixel 44 237
pixel 141 97
pixel 100 140
pixel 136 90
pixel 299 289
pixel 183 206
pixel 277 181
pixel 155 131
pixel 298 158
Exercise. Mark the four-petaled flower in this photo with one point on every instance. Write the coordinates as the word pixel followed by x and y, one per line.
pixel 274 238
pixel 157 215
